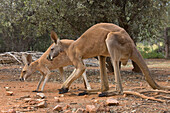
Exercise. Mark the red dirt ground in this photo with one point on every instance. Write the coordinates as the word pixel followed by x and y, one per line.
pixel 160 70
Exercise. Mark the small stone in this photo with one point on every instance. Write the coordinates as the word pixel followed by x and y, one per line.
pixel 80 110
pixel 91 109
pixel 40 95
pixel 62 95
pixel 7 88
pixel 95 101
pixel 32 102
pixel 66 107
pixel 42 104
pixel 112 101
pixel 57 99
pixel 9 93
pixel 57 108
pixel 124 95
pixel 27 100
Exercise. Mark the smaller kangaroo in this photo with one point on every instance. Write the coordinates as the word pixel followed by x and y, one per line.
pixel 44 66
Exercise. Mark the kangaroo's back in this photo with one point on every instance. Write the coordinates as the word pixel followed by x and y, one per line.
pixel 60 61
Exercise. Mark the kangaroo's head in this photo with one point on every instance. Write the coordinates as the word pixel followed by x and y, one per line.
pixel 56 48
pixel 29 67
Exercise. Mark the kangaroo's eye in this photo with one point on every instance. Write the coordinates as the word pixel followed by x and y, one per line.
pixel 24 71
pixel 52 49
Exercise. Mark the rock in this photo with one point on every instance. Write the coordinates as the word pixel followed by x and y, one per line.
pixel 9 93
pixel 42 104
pixel 124 95
pixel 32 102
pixel 62 95
pixel 7 88
pixel 112 101
pixel 95 101
pixel 66 107
pixel 91 109
pixel 27 100
pixel 40 100
pixel 57 108
pixel 80 110
pixel 57 99
pixel 40 95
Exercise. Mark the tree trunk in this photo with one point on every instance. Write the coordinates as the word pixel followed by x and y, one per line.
pixel 167 43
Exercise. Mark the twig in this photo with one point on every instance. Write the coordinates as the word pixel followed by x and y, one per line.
pixel 162 96
pixel 142 96
pixel 159 91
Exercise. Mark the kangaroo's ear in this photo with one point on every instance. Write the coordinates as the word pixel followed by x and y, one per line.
pixel 24 59
pixel 29 59
pixel 54 37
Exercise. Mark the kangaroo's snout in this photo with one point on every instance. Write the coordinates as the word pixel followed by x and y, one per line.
pixel 21 79
pixel 49 58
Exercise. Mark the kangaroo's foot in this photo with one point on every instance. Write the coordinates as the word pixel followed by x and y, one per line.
pixel 109 93
pixel 37 91
pixel 63 90
pixel 103 94
pixel 83 93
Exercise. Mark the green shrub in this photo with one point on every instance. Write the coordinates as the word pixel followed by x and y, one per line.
pixel 150 52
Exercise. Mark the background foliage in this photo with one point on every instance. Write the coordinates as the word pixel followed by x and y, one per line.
pixel 25 24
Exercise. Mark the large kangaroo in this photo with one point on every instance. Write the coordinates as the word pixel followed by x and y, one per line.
pixel 103 39
pixel 44 66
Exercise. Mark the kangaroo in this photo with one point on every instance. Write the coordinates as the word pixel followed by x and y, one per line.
pixel 44 66
pixel 103 39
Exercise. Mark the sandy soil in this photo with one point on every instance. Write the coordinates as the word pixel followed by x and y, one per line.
pixel 160 70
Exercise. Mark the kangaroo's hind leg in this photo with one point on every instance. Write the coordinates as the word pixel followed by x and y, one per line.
pixel 115 54
pixel 103 74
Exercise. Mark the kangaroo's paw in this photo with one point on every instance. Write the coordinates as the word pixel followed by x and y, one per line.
pixel 103 94
pixel 63 90
pixel 109 93
pixel 83 93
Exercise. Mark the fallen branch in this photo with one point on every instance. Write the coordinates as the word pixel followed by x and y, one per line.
pixel 162 96
pixel 14 57
pixel 142 96
pixel 158 91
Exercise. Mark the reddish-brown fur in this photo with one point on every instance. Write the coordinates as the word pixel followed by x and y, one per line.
pixel 104 39
pixel 44 66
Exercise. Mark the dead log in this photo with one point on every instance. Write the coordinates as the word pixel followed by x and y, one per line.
pixel 16 57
